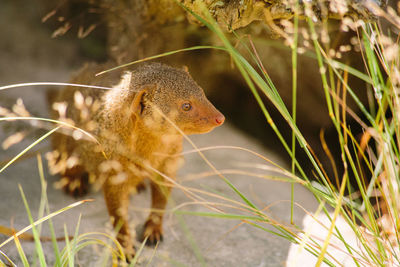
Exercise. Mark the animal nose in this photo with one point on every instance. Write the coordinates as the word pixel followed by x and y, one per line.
pixel 219 119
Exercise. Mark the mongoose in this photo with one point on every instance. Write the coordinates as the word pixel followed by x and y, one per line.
pixel 137 124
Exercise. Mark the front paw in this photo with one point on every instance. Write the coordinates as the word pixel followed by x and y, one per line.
pixel 129 254
pixel 153 231
pixel 74 186
pixel 74 182
pixel 140 187
pixel 127 248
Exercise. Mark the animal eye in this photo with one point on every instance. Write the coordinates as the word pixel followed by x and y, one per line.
pixel 186 106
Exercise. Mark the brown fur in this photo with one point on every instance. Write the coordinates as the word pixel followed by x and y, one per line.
pixel 132 123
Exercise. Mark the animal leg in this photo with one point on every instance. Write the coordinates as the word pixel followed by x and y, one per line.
pixel 153 226
pixel 117 200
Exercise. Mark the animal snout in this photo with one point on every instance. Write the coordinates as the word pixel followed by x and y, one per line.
pixel 219 119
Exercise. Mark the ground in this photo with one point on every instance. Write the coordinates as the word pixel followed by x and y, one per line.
pixel 28 54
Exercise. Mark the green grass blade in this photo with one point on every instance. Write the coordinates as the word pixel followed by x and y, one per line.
pixel 36 236
pixel 28 148
pixel 138 253
pixel 73 245
pixel 195 248
pixel 294 103
pixel 43 195
pixel 341 66
pixel 45 218
pixel 46 202
pixel 284 233
pixel 159 56
pixel 68 256
pixel 62 123
pixel 220 215
pixel 152 256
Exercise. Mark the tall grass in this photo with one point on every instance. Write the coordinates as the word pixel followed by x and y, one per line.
pixel 73 244
pixel 374 223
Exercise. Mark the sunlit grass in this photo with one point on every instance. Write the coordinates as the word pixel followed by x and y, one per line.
pixel 73 244
pixel 383 131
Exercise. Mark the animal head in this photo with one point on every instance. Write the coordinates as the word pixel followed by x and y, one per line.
pixel 163 96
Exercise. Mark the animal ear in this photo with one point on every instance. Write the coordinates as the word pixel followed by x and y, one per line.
pixel 185 68
pixel 137 103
